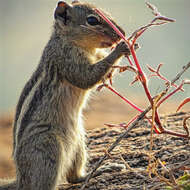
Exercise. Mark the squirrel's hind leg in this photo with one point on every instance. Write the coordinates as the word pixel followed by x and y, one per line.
pixel 77 173
pixel 37 161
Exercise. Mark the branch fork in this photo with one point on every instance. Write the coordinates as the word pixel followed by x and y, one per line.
pixel 155 101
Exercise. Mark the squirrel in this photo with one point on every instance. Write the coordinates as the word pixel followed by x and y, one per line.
pixel 48 134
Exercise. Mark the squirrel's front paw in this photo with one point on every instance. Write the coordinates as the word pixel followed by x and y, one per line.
pixel 123 48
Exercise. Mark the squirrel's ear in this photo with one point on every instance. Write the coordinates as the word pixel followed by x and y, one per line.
pixel 61 11
pixel 62 4
pixel 74 2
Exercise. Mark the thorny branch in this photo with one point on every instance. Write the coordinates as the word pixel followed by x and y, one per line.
pixel 129 128
pixel 156 73
pixel 141 77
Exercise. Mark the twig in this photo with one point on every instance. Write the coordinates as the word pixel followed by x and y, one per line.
pixel 172 182
pixel 158 20
pixel 170 173
pixel 156 73
pixel 129 128
pixel 136 172
pixel 181 166
pixel 158 185
pixel 181 73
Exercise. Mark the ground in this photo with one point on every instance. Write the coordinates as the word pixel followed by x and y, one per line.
pixel 126 166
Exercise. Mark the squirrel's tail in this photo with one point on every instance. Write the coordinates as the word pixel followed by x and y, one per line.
pixel 8 184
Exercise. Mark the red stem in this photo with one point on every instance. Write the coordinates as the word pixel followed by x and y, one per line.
pixel 136 60
pixel 141 75
pixel 130 62
pixel 132 120
pixel 169 95
pixel 111 24
pixel 123 98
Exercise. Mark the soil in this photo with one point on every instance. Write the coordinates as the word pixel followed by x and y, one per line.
pixel 126 166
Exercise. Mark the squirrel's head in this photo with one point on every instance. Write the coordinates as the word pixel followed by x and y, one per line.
pixel 81 24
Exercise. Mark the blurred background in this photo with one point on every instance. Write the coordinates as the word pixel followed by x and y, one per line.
pixel 25 27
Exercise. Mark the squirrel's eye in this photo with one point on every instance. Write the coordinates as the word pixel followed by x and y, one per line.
pixel 92 20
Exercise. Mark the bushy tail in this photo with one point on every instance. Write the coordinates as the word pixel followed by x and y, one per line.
pixel 7 184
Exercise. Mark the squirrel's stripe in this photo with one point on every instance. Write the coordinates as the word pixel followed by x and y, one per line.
pixel 25 108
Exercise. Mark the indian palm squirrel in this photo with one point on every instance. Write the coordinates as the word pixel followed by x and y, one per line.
pixel 49 138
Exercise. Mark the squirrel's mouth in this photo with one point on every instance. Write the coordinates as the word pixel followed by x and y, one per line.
pixel 106 44
pixel 110 42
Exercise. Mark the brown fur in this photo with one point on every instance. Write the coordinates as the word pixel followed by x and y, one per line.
pixel 49 138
